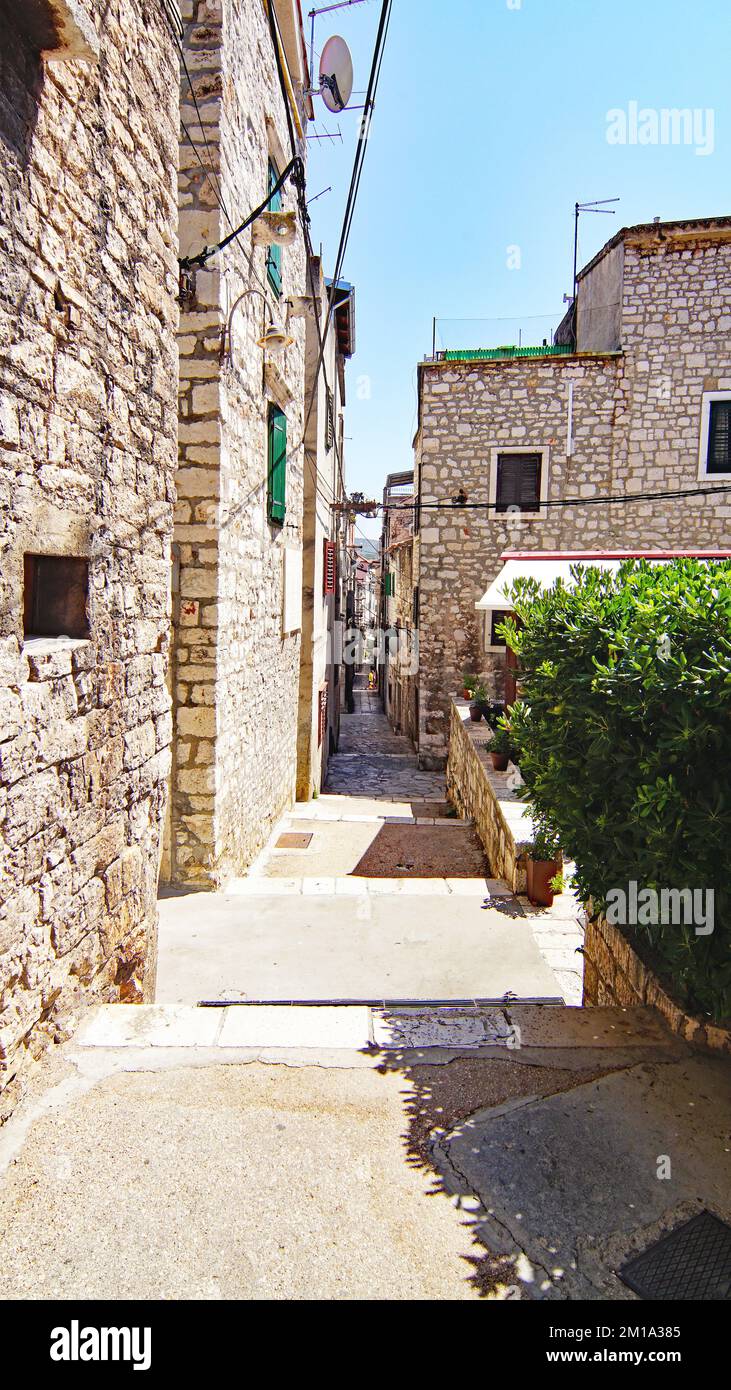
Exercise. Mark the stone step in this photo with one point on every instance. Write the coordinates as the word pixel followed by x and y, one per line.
pixel 262 885
pixel 458 1025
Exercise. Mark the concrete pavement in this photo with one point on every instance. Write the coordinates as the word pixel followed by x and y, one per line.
pixel 343 1153
pixel 388 896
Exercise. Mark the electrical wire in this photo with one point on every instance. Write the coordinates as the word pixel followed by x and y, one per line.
pixel 450 506
pixel 378 51
pixel 188 262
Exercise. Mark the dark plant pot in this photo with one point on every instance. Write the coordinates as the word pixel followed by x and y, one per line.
pixel 540 873
pixel 475 714
pixel 500 761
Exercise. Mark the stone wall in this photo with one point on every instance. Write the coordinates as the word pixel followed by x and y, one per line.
pixel 636 427
pixel 236 665
pixel 88 373
pixel 402 679
pixel 501 819
pixel 320 670
pixel 615 974
pixel 467 411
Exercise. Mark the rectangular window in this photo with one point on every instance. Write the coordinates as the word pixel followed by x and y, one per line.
pixel 329 567
pixel 277 464
pixel 718 458
pixel 497 616
pixel 274 253
pixel 56 592
pixel 518 482
pixel 390 584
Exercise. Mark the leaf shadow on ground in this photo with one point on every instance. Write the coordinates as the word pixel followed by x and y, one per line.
pixel 439 1098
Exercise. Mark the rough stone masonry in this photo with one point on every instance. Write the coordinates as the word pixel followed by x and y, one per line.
pixel 236 648
pixel 624 412
pixel 88 378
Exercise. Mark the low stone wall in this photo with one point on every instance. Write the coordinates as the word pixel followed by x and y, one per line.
pixel 476 790
pixel 614 974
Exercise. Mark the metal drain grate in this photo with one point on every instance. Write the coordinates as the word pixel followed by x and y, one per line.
pixel 293 840
pixel 692 1263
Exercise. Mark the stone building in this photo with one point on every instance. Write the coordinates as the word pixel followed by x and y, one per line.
pixel 634 398
pixel 237 577
pixel 400 602
pixel 324 529
pixel 88 376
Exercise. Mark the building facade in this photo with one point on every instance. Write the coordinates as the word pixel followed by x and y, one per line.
pixel 635 398
pixel 399 606
pixel 88 420
pixel 324 529
pixel 237 576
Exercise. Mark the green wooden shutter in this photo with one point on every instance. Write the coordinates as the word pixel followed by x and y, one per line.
pixel 277 461
pixel 274 253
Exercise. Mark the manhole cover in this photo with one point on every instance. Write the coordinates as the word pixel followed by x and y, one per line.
pixel 693 1263
pixel 292 840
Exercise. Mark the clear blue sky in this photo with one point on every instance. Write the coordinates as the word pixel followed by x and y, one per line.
pixel 491 122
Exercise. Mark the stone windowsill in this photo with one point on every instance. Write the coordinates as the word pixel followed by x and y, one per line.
pixel 49 646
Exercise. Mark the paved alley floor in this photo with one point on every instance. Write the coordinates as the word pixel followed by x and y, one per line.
pixel 348 1153
pixel 373 891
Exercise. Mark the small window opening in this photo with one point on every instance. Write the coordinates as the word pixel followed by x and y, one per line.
pixel 56 594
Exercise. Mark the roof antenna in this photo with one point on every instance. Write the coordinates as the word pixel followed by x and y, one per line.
pixel 597 206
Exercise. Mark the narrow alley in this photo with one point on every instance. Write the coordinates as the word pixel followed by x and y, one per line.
pixel 387 897
pixel 349 1119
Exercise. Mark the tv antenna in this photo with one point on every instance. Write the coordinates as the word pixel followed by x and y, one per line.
pixel 597 206
pixel 336 64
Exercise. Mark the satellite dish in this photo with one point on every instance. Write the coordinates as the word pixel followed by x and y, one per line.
pixel 336 74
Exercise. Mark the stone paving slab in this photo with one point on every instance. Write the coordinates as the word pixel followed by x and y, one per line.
pixel 259 885
pixel 452 1026
pixel 591 1194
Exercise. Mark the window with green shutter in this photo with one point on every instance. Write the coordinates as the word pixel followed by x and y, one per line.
pixel 274 253
pixel 277 464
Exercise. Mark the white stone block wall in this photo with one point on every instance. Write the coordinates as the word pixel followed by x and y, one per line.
pixel 236 671
pixel 636 428
pixel 88 375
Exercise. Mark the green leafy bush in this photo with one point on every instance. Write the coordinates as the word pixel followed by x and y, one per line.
pixel 624 729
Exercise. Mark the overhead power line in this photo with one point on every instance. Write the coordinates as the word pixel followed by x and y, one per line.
pixel 359 160
pixel 449 505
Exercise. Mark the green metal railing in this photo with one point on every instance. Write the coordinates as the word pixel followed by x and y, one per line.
pixel 492 354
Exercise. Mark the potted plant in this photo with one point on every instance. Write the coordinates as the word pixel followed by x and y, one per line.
pixel 479 698
pixel 469 685
pixel 544 867
pixel 501 748
pixel 492 712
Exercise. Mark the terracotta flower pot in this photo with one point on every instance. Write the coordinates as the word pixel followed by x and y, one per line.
pixel 540 873
pixel 466 694
pixel 500 761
